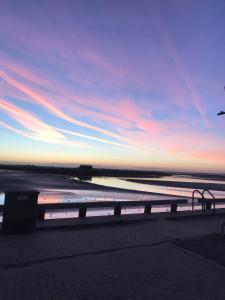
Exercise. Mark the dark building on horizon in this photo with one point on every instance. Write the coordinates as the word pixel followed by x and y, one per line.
pixel 85 172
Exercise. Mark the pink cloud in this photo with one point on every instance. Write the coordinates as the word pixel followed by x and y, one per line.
pixel 19 70
pixel 130 114
pixel 214 155
pixel 180 67
pixel 172 136
pixel 20 132
pixel 39 99
pixel 35 128
pixel 123 114
pixel 29 121
pixel 39 130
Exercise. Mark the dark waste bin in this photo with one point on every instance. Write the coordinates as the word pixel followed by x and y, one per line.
pixel 20 211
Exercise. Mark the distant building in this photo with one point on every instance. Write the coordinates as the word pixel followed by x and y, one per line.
pixel 85 172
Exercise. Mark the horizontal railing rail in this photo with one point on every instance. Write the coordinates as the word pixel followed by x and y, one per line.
pixel 207 200
pixel 212 201
pixel 116 205
pixel 207 203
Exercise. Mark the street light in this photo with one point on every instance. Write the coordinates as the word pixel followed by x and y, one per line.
pixel 221 113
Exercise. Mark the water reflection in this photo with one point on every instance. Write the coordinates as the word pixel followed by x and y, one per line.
pixel 160 193
pixel 56 196
pixel 67 196
pixel 2 198
pixel 164 190
pixel 179 178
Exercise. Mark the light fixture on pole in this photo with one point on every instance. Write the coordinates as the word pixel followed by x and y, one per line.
pixel 221 113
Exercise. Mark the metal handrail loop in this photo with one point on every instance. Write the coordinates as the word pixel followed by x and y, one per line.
pixel 213 201
pixel 193 197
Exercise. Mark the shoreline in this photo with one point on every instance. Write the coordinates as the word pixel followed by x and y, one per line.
pixel 28 180
pixel 22 180
pixel 180 184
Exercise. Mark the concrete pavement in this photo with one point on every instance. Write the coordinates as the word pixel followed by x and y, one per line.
pixel 135 260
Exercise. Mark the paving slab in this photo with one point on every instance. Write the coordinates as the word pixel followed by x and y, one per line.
pixel 134 260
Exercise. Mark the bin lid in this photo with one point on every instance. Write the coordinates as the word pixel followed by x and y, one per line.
pixel 19 192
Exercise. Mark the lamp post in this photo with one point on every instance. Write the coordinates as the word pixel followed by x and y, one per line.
pixel 221 113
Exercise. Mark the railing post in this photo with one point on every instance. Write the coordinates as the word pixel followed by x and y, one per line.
pixel 148 208
pixel 41 213
pixel 117 210
pixel 222 228
pixel 203 207
pixel 82 211
pixel 173 207
pixel 208 206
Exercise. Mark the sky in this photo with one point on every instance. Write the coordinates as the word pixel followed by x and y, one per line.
pixel 122 83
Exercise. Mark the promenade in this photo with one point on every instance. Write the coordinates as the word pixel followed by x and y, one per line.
pixel 154 257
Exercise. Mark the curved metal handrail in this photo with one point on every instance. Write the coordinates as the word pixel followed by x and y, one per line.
pixel 214 199
pixel 193 197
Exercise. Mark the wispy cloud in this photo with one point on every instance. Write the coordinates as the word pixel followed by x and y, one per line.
pixel 18 131
pixel 179 65
pixel 35 128
pixel 29 121
pixel 93 138
pixel 53 109
pixel 133 80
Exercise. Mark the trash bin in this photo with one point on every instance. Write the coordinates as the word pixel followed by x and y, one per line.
pixel 20 211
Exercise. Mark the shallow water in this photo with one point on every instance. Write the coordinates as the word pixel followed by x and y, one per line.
pixel 175 191
pixel 66 196
pixel 58 195
pixel 181 178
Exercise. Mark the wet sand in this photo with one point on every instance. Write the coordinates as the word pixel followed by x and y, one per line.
pixel 179 184
pixel 21 180
pixel 26 180
pixel 14 180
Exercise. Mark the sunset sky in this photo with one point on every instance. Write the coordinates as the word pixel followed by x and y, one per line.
pixel 130 84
